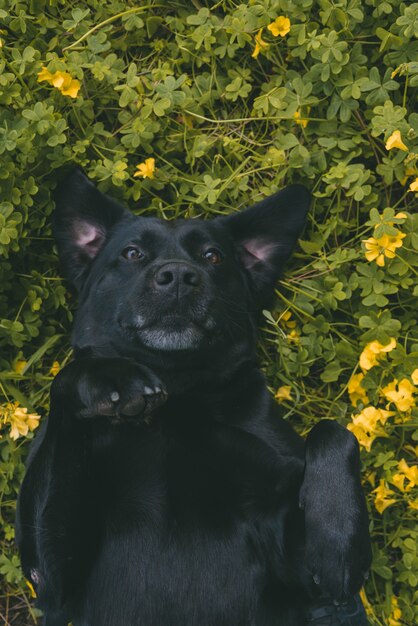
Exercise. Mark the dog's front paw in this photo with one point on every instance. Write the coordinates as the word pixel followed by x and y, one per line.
pixel 337 543
pixel 116 388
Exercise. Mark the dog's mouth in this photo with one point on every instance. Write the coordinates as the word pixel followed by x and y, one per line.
pixel 171 332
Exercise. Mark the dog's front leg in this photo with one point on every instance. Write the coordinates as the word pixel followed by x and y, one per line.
pixel 337 544
pixel 50 512
pixel 55 521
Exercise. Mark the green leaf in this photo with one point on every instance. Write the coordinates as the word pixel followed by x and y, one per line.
pixel 388 39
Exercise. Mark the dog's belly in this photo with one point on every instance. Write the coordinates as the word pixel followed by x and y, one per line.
pixel 195 579
pixel 180 543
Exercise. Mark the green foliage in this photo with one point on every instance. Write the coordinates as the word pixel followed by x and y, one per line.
pixel 179 82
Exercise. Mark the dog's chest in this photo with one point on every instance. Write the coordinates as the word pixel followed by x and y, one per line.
pixel 142 476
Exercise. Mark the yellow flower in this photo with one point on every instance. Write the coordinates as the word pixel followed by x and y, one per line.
pixel 146 169
pixel 402 396
pixel 44 74
pixel 367 425
pixel 395 141
pixel 371 478
pixel 356 391
pixel 413 505
pixel 21 422
pixel 374 251
pixel 410 472
pixel 414 376
pixel 373 351
pixel 58 79
pixel 302 122
pixel 19 366
pixel 294 336
pixel 370 416
pixel 283 393
pixel 70 87
pixel 55 368
pixel 63 81
pixel 382 499
pixel 390 244
pixel 280 26
pixel 286 321
pixel 366 603
pixel 364 439
pixel 414 185
pixel 260 44
pixel 405 473
pixel 385 246
pixel 396 613
pixel 398 480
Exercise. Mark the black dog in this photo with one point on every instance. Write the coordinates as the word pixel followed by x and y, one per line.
pixel 165 489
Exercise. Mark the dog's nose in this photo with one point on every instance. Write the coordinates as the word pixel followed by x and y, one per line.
pixel 176 277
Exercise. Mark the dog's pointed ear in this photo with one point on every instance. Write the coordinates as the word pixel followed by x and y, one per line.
pixel 81 224
pixel 265 236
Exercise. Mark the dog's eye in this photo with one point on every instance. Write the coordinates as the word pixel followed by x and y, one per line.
pixel 213 255
pixel 132 253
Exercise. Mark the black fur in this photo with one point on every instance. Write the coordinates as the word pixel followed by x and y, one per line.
pixel 164 488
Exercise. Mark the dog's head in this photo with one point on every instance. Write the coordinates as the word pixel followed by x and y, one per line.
pixel 153 288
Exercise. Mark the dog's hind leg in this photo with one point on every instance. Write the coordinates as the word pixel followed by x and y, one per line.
pixel 324 612
pixel 337 543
